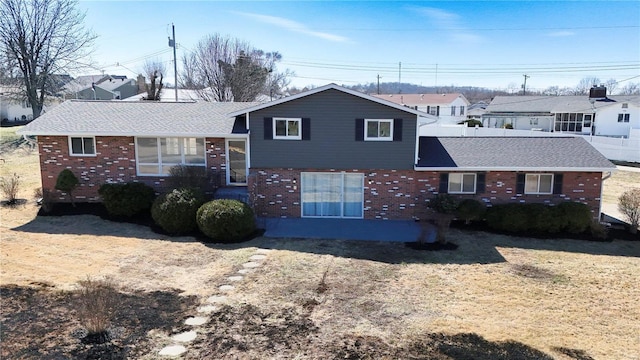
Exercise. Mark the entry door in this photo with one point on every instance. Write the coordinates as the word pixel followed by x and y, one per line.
pixel 236 162
pixel 587 122
pixel 338 195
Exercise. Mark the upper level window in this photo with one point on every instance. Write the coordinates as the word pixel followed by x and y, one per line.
pixel 625 105
pixel 538 184
pixel 623 117
pixel 461 183
pixel 462 110
pixel 156 156
pixel 82 146
pixel 378 129
pixel 453 110
pixel 287 128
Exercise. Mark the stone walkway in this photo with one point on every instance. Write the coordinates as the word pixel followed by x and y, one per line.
pixel 181 341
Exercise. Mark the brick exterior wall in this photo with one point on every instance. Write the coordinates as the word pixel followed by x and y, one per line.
pixel 391 194
pixel 115 162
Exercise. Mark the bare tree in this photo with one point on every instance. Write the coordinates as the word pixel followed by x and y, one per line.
pixel 612 85
pixel 227 69
pixel 630 89
pixel 45 37
pixel 585 85
pixel 154 70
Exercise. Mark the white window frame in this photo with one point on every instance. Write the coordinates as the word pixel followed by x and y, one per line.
pixel 378 138
pixel 342 193
pixel 624 117
pixel 453 110
pixel 461 190
pixel 93 139
pixel 287 137
pixel 160 164
pixel 538 192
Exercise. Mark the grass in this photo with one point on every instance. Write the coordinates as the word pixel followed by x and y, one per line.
pixel 566 298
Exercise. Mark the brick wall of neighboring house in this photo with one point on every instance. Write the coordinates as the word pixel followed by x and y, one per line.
pixel 115 162
pixel 390 194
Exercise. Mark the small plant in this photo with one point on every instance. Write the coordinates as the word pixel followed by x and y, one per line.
pixel 473 123
pixel 445 207
pixel 10 187
pixel 629 206
pixel 183 176
pixel 67 182
pixel 508 126
pixel 226 220
pixel 97 300
pixel 470 209
pixel 127 199
pixel 598 230
pixel 175 211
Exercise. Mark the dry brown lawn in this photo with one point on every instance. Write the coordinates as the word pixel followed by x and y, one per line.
pixel 579 296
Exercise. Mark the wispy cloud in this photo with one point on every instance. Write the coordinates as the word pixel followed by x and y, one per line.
pixel 450 22
pixel 292 26
pixel 561 34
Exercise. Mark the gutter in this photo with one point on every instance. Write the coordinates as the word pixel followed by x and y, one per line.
pixel 602 191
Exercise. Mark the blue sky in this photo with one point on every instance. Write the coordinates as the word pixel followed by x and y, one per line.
pixel 481 43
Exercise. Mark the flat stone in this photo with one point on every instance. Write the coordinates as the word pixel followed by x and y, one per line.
pixel 173 350
pixel 258 257
pixel 185 336
pixel 226 287
pixel 207 309
pixel 196 320
pixel 217 299
pixel 235 278
pixel 263 251
pixel 244 271
pixel 250 265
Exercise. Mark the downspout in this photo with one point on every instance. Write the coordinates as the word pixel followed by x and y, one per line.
pixel 601 192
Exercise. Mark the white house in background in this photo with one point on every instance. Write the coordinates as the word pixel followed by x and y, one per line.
pixel 611 116
pixel 12 107
pixel 169 95
pixel 449 108
pixel 475 111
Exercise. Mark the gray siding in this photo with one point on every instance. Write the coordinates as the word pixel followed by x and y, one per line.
pixel 332 143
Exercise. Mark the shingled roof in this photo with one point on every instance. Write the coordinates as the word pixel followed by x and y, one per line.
pixel 554 104
pixel 510 154
pixel 122 118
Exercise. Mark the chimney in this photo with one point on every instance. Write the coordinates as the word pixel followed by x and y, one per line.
pixel 598 92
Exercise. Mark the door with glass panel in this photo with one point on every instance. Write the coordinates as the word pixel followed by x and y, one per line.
pixel 237 162
pixel 338 195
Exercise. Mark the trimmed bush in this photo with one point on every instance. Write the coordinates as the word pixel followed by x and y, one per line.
pixel 444 204
pixel 470 209
pixel 183 176
pixel 226 220
pixel 571 217
pixel 175 211
pixel 128 199
pixel 66 182
pixel 576 217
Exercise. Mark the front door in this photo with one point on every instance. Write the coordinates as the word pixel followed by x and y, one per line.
pixel 236 162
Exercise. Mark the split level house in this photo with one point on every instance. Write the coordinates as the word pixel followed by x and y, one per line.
pixel 328 152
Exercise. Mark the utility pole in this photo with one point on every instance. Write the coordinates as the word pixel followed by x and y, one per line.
pixel 524 86
pixel 378 83
pixel 436 78
pixel 399 76
pixel 172 43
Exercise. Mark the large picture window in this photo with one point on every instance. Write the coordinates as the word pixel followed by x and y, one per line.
pixel 460 183
pixel 82 146
pixel 338 195
pixel 378 130
pixel 538 184
pixel 156 156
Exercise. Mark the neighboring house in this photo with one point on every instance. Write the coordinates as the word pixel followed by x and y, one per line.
pixel 613 116
pixel 475 111
pixel 102 87
pixel 329 152
pixel 169 95
pixel 14 107
pixel 448 108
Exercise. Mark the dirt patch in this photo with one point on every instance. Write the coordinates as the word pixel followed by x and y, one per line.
pixel 41 323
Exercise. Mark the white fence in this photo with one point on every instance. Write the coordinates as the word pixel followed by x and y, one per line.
pixel 622 149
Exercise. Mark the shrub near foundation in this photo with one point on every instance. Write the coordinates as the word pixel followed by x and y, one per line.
pixel 571 217
pixel 175 211
pixel 226 220
pixel 128 199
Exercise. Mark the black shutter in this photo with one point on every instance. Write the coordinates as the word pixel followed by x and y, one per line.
pixel 438 111
pixel 480 181
pixel 268 128
pixel 359 129
pixel 397 129
pixel 557 183
pixel 306 129
pixel 444 183
pixel 520 183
